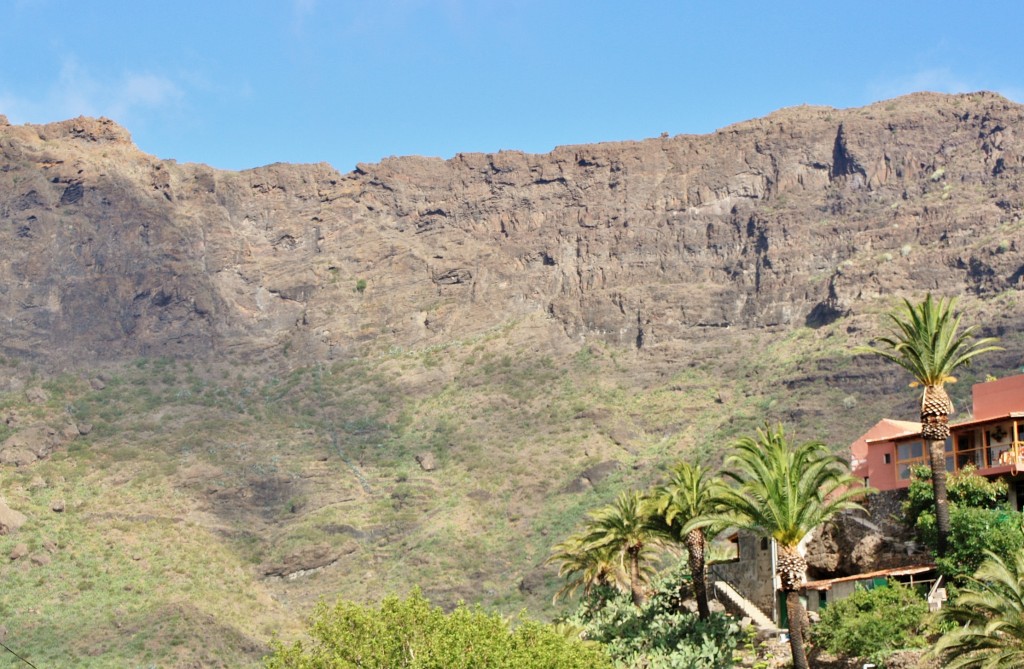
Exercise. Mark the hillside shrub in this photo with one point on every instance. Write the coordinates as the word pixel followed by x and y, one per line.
pixel 410 633
pixel 871 624
pixel 972 531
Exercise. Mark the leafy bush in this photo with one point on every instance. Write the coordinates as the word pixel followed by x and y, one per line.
pixel 659 635
pixel 964 488
pixel 871 624
pixel 972 531
pixel 411 634
pixel 979 520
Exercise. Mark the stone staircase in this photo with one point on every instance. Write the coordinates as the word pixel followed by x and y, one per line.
pixel 739 605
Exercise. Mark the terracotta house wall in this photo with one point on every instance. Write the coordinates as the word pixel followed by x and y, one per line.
pixel 882 474
pixel 994 402
pixel 998 398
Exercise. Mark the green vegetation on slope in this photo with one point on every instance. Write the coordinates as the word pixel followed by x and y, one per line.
pixel 218 502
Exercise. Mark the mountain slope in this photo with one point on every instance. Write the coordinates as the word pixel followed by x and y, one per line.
pixel 253 389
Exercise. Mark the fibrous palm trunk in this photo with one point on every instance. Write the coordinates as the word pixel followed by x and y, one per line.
pixel 935 409
pixel 636 586
pixel 695 546
pixel 791 568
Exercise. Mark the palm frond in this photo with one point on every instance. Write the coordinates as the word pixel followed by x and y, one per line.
pixel 990 613
pixel 927 341
pixel 785 491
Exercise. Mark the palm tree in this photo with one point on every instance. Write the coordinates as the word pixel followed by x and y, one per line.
pixel 927 342
pixel 990 612
pixel 784 492
pixel 685 511
pixel 586 569
pixel 624 528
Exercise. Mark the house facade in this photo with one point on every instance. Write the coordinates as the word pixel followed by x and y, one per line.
pixel 991 441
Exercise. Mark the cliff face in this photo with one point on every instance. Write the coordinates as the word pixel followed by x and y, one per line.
pixel 799 218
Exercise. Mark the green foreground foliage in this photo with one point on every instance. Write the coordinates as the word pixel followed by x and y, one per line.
pixel 989 614
pixel 660 634
pixel 871 624
pixel 980 520
pixel 411 633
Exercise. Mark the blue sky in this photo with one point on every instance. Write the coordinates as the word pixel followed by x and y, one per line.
pixel 239 84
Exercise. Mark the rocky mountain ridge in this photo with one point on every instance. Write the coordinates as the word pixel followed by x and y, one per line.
pixel 799 218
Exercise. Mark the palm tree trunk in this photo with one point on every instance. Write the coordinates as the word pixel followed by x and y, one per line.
pixel 792 568
pixel 695 546
pixel 636 586
pixel 797 614
pixel 935 409
pixel 937 456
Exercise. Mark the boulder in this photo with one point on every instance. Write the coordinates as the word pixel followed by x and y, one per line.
pixel 426 461
pixel 36 395
pixel 34 443
pixel 10 520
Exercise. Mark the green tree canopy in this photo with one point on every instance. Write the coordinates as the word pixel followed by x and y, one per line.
pixel 410 633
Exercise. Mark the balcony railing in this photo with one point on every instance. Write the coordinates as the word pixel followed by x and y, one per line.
pixel 1013 456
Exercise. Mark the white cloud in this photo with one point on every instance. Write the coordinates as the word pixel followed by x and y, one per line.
pixel 77 92
pixel 301 10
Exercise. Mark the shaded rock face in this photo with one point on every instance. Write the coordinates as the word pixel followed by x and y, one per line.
pixel 856 543
pixel 802 217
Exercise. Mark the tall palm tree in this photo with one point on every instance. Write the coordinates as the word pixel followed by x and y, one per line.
pixel 686 513
pixel 586 569
pixel 990 612
pixel 624 528
pixel 927 342
pixel 783 492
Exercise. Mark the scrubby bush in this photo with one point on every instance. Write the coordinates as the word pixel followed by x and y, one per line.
pixel 973 531
pixel 410 633
pixel 659 635
pixel 871 624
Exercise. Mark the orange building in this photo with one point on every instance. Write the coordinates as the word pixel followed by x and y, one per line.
pixel 992 441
